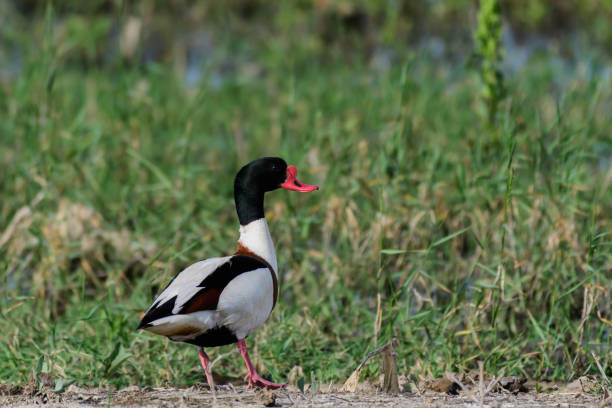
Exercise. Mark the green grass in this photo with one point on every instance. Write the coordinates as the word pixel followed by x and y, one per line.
pixel 483 241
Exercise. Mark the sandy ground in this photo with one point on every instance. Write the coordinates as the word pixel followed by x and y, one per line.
pixel 227 396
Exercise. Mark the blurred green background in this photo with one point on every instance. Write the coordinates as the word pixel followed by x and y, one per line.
pixel 463 151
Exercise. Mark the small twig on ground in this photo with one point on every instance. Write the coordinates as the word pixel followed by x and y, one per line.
pixel 340 398
pixel 468 393
pixel 481 382
pixel 289 396
pixel 494 381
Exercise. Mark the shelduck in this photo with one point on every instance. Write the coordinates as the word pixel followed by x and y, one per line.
pixel 221 301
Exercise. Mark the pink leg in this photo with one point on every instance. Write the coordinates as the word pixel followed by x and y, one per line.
pixel 205 363
pixel 252 377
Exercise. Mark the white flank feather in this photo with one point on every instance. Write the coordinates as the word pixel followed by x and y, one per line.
pixel 246 302
pixel 191 324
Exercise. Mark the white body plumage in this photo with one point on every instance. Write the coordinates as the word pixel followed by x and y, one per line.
pixel 243 304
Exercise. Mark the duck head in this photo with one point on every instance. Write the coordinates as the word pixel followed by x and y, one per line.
pixel 257 178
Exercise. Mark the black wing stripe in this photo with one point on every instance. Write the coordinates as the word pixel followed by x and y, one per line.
pixel 236 265
pixel 157 312
pixel 214 283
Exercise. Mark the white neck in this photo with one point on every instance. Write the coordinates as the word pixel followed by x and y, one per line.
pixel 255 236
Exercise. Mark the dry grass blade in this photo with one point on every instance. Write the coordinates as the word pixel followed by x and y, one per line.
pixel 391 380
pixel 591 296
pixel 221 357
pixel 601 370
pixel 21 214
pixel 378 321
pixel 350 385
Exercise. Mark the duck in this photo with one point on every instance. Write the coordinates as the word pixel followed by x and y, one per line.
pixel 223 300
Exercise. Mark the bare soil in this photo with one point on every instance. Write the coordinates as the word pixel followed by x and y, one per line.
pixel 571 395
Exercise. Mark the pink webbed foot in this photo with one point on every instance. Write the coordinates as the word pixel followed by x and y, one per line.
pixel 253 378
pixel 257 381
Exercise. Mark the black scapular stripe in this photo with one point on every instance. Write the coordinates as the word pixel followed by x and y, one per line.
pixel 236 265
pixel 224 274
